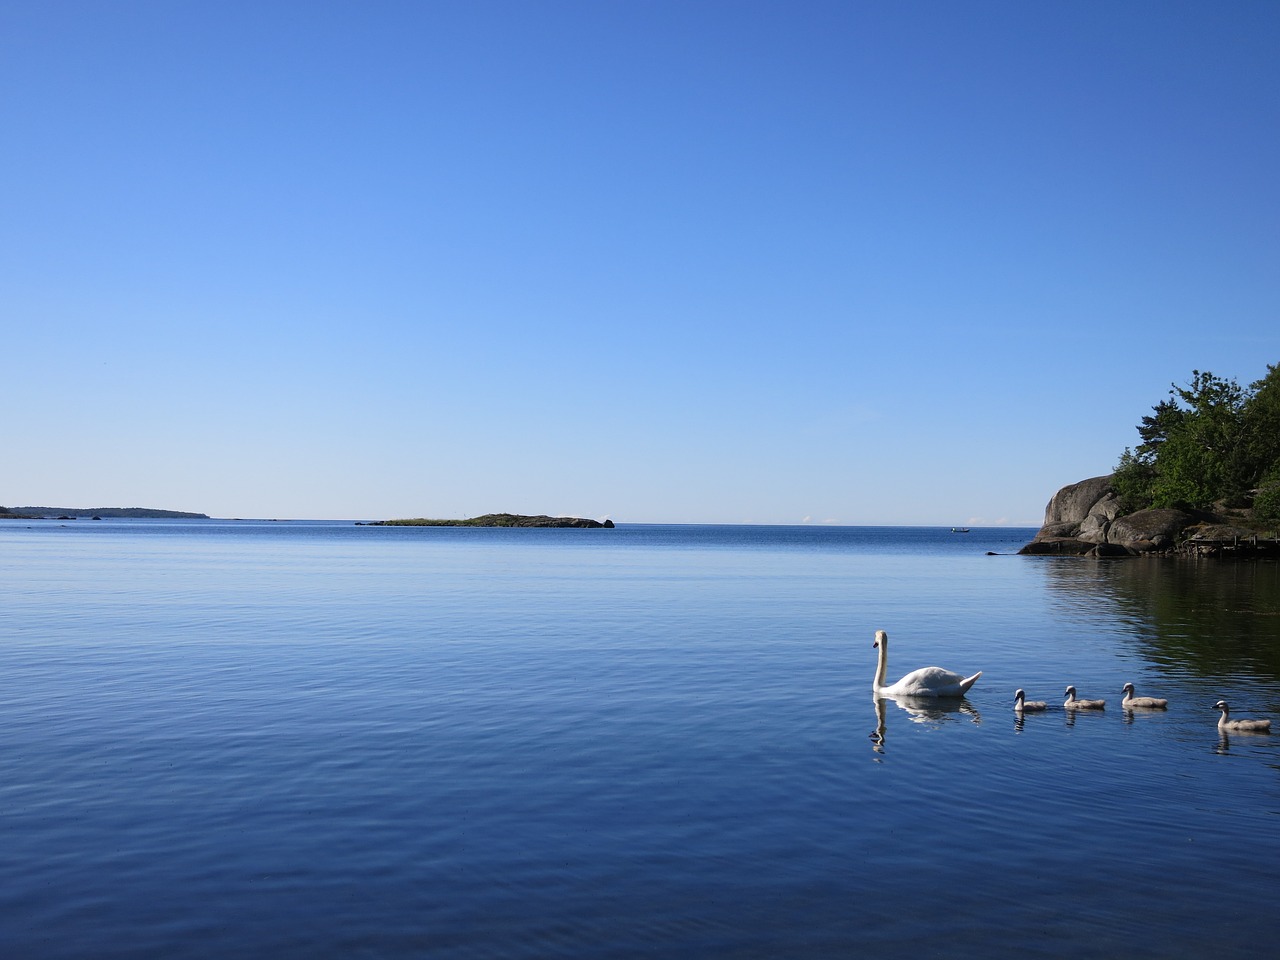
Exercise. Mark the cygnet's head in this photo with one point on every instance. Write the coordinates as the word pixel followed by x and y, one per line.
pixel 1127 688
pixel 1019 695
pixel 1069 692
pixel 1221 705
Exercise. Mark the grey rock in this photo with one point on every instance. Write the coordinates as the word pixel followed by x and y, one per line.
pixel 1085 519
pixel 1057 547
pixel 1074 502
pixel 1155 525
pixel 1056 531
pixel 1110 550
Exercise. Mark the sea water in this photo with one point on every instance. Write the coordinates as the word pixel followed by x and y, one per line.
pixel 320 740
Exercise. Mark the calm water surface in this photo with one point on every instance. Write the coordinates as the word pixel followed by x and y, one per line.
pixel 321 740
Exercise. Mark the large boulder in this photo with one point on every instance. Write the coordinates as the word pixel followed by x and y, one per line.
pixel 1058 547
pixel 1077 518
pixel 1163 528
pixel 1085 518
pixel 1096 527
pixel 1081 511
pixel 1074 502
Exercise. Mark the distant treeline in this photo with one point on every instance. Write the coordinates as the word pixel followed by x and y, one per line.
pixel 1212 444
pixel 494 520
pixel 133 513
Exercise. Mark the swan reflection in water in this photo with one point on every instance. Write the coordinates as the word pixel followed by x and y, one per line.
pixel 931 711
pixel 1128 714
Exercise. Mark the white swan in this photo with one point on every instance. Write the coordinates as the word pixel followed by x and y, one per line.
pixel 1227 725
pixel 1150 703
pixel 1073 704
pixel 1021 704
pixel 925 682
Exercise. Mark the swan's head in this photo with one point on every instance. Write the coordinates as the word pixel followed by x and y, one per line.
pixel 881 640
pixel 1069 692
pixel 1127 688
pixel 1019 695
pixel 1221 705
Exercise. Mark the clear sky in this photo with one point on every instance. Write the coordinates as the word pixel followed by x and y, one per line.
pixel 692 261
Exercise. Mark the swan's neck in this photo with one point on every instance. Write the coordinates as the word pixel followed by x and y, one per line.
pixel 882 664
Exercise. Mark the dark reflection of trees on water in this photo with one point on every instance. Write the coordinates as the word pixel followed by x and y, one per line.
pixel 1208 617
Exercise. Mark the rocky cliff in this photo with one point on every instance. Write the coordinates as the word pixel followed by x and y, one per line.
pixel 1085 519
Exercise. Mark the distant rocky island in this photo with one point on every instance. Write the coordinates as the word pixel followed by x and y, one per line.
pixel 96 513
pixel 494 520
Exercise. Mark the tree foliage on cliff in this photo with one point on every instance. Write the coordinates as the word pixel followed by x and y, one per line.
pixel 1212 442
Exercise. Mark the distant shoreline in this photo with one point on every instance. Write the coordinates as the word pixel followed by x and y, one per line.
pixel 493 520
pixel 97 513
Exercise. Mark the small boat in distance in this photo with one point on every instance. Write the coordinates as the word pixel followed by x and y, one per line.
pixel 959 529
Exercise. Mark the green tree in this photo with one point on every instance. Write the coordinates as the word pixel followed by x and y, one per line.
pixel 1201 459
pixel 1155 430
pixel 1262 440
pixel 1262 423
pixel 1132 480
pixel 1135 475
pixel 1196 449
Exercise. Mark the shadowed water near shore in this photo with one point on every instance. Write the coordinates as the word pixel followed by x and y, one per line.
pixel 1208 617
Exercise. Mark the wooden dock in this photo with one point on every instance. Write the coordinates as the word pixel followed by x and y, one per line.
pixel 1242 548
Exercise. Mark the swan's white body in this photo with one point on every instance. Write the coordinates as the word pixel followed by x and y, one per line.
pixel 1150 703
pixel 1228 725
pixel 1022 705
pixel 925 682
pixel 1073 704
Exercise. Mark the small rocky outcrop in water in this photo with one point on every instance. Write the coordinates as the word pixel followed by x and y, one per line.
pixel 1085 519
pixel 495 520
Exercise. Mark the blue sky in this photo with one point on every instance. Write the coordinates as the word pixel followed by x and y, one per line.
pixel 773 262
